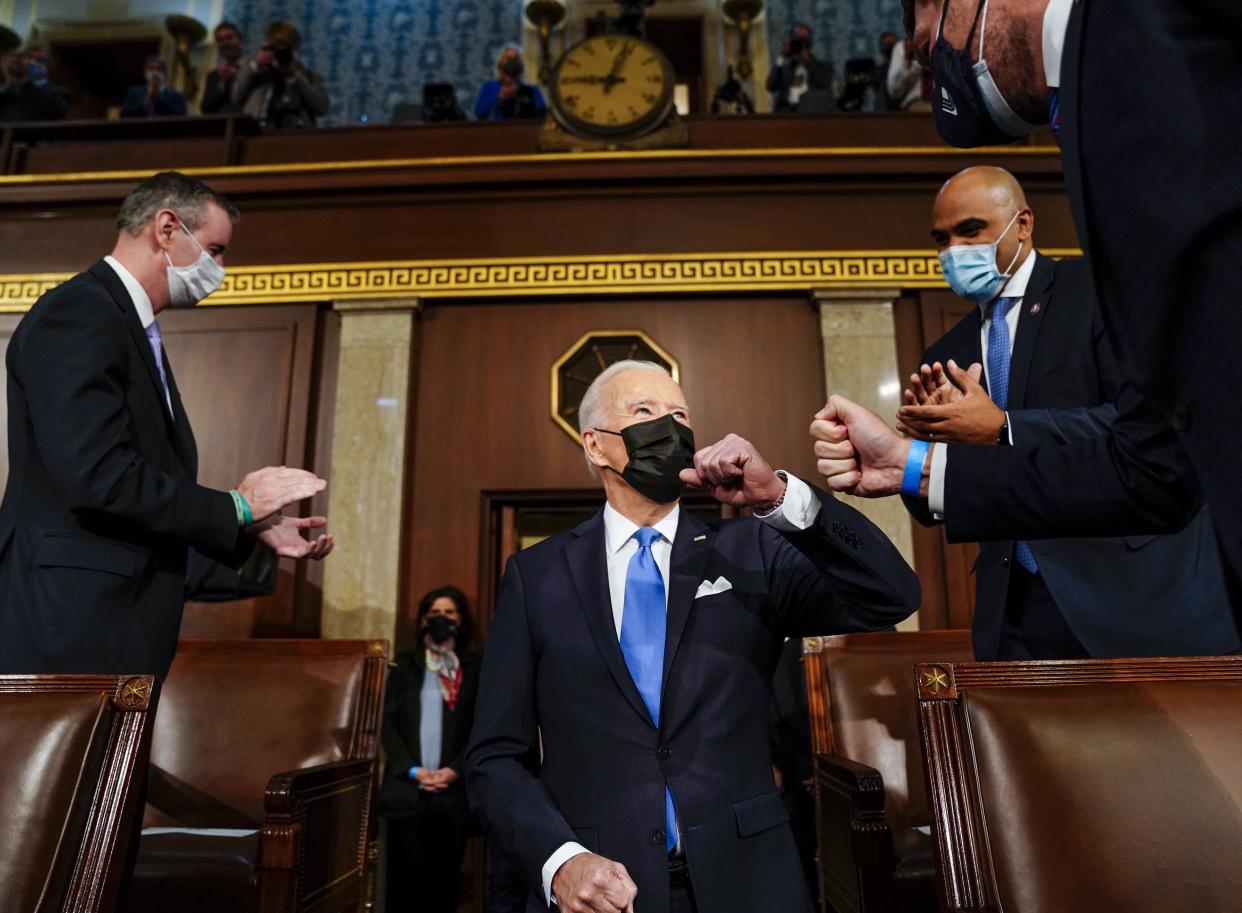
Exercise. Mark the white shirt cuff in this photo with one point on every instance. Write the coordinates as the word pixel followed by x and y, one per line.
pixel 935 483
pixel 798 511
pixel 566 852
pixel 1009 429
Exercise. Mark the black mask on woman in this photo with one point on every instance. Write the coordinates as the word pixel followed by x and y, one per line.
pixel 659 450
pixel 440 628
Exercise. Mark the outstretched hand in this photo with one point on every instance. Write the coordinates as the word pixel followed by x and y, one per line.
pixel 856 452
pixel 733 472
pixel 970 417
pixel 931 386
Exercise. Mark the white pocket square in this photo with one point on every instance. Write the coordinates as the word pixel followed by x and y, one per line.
pixel 711 588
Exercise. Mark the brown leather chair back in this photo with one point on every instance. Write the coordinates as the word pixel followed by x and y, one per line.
pixel 71 746
pixel 1086 785
pixel 235 712
pixel 861 694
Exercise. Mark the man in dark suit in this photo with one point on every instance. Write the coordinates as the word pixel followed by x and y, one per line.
pixel 1154 198
pixel 218 87
pixel 620 746
pixel 102 514
pixel 1037 322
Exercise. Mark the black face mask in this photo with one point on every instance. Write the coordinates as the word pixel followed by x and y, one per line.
pixel 967 107
pixel 513 68
pixel 440 628
pixel 659 450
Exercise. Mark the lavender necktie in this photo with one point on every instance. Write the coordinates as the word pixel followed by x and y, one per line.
pixel 156 339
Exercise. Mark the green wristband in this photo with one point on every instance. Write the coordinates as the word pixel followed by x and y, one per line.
pixel 244 517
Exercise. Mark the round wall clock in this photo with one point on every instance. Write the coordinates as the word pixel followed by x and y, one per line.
pixel 611 87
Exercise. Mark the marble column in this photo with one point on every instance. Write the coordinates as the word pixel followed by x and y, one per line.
pixel 860 362
pixel 367 478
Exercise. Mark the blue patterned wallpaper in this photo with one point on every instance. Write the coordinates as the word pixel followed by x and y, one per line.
pixel 375 54
pixel 843 28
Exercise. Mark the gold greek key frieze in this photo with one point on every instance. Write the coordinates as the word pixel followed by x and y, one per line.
pixel 622 274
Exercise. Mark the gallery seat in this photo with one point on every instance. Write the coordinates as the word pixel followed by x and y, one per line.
pixel 1085 785
pixel 263 778
pixel 871 813
pixel 74 749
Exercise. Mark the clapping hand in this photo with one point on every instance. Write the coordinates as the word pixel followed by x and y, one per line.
pixel 733 472
pixel 937 410
pixel 283 535
pixel 272 488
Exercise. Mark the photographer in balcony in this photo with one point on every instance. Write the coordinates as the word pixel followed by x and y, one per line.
pixel 508 97
pixel 218 89
pixel 153 98
pixel 799 80
pixel 275 87
pixel 26 92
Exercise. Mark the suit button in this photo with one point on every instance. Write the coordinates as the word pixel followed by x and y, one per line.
pixel 664 753
pixel 658 837
pixel 836 526
pixel 1005 560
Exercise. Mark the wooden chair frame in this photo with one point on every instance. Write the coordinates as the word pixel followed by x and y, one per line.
pixel 98 866
pixel 967 882
pixel 288 879
pixel 855 859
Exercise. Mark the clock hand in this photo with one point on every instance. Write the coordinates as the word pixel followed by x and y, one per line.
pixel 589 80
pixel 625 52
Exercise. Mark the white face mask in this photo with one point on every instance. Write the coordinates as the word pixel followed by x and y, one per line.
pixel 188 285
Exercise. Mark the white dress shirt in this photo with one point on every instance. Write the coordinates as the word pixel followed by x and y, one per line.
pixel 1056 23
pixel 798 511
pixel 1015 288
pixel 141 301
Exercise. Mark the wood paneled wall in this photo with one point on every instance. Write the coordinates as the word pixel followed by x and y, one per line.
pixel 481 421
pixel 248 380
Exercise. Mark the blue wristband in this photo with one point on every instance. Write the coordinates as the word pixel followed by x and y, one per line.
pixel 413 771
pixel 912 481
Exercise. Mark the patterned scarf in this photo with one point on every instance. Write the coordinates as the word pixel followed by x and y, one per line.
pixel 444 663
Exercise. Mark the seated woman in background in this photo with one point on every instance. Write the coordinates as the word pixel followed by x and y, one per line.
pixel 508 97
pixel 428 713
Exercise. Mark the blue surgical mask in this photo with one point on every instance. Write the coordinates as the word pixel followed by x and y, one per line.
pixel 970 269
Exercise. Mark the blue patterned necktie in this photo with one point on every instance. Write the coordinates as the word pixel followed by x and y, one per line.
pixel 1054 113
pixel 998 386
pixel 156 340
pixel 643 628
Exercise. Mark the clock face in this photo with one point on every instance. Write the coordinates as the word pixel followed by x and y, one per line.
pixel 585 359
pixel 612 85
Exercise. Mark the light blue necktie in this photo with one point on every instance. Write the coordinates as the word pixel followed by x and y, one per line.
pixel 156 339
pixel 643 628
pixel 998 385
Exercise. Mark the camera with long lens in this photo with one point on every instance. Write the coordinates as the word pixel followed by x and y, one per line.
pixel 281 52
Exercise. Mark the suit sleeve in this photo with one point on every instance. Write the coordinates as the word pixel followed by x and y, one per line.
pixel 1031 428
pixel 506 795
pixel 207 580
pixel 71 367
pixel 843 574
pixel 1135 479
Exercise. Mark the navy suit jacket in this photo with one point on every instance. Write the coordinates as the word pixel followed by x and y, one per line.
pixel 103 528
pixel 554 675
pixel 1143 595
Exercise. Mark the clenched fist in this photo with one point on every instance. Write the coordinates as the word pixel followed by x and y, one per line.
pixel 856 452
pixel 733 472
pixel 588 883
